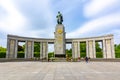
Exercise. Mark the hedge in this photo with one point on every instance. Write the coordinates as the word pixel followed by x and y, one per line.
pixel 99 55
pixel 69 55
pixel 117 54
pixel 50 55
pixel 20 55
pixel 2 54
pixel 37 54
pixel 82 54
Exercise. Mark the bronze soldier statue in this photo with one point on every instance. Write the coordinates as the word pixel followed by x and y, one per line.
pixel 59 18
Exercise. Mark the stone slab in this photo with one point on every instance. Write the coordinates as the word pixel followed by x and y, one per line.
pixel 59 71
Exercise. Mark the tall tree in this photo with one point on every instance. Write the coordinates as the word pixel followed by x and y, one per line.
pixel 98 49
pixel 36 47
pixel 2 48
pixel 82 47
pixel 20 48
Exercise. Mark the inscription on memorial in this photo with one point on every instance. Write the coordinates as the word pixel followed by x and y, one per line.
pixel 59 31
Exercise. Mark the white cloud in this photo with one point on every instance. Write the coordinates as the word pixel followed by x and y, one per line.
pixel 3 42
pixel 116 33
pixel 67 6
pixel 46 9
pixel 95 8
pixel 13 21
pixel 50 47
pixel 102 24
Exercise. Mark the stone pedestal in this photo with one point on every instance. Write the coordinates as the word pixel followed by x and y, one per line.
pixel 59 40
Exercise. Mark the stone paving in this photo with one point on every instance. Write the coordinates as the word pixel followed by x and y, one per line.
pixel 60 71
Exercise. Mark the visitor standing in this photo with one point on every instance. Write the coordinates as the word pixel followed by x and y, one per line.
pixel 86 59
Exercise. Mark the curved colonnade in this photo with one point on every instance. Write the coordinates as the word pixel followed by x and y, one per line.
pixel 107 44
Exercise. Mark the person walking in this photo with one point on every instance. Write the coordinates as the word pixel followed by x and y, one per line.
pixel 86 59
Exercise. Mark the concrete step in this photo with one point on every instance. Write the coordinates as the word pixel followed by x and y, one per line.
pixel 60 60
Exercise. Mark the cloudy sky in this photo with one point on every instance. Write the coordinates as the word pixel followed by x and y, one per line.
pixel 37 18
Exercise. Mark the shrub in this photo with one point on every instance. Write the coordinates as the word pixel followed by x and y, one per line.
pixel 82 54
pixel 37 54
pixel 2 54
pixel 50 55
pixel 117 54
pixel 69 55
pixel 99 55
pixel 20 55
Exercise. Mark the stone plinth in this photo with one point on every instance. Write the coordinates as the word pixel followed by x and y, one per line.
pixel 59 40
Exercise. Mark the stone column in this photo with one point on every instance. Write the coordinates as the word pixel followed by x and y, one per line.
pixel 45 49
pixel 75 51
pixel 78 49
pixel 87 54
pixel 29 49
pixel 90 49
pixel 26 49
pixel 104 49
pixel 16 48
pixel 11 49
pixel 94 49
pixel 8 48
pixel 73 54
pixel 112 45
pixel 41 50
pixel 32 49
pixel 108 48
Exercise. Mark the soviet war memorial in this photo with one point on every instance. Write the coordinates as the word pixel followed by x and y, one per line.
pixel 60 40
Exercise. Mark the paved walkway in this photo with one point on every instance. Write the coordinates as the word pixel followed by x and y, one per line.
pixel 60 71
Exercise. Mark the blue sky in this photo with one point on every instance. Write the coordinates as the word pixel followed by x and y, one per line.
pixel 37 18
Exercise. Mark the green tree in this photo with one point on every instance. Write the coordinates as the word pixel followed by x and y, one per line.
pixel 20 48
pixel 50 55
pixel 83 47
pixel 99 53
pixel 82 50
pixel 2 48
pixel 2 52
pixel 98 49
pixel 117 47
pixel 117 50
pixel 69 52
pixel 36 47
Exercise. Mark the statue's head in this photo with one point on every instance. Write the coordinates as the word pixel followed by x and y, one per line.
pixel 58 11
